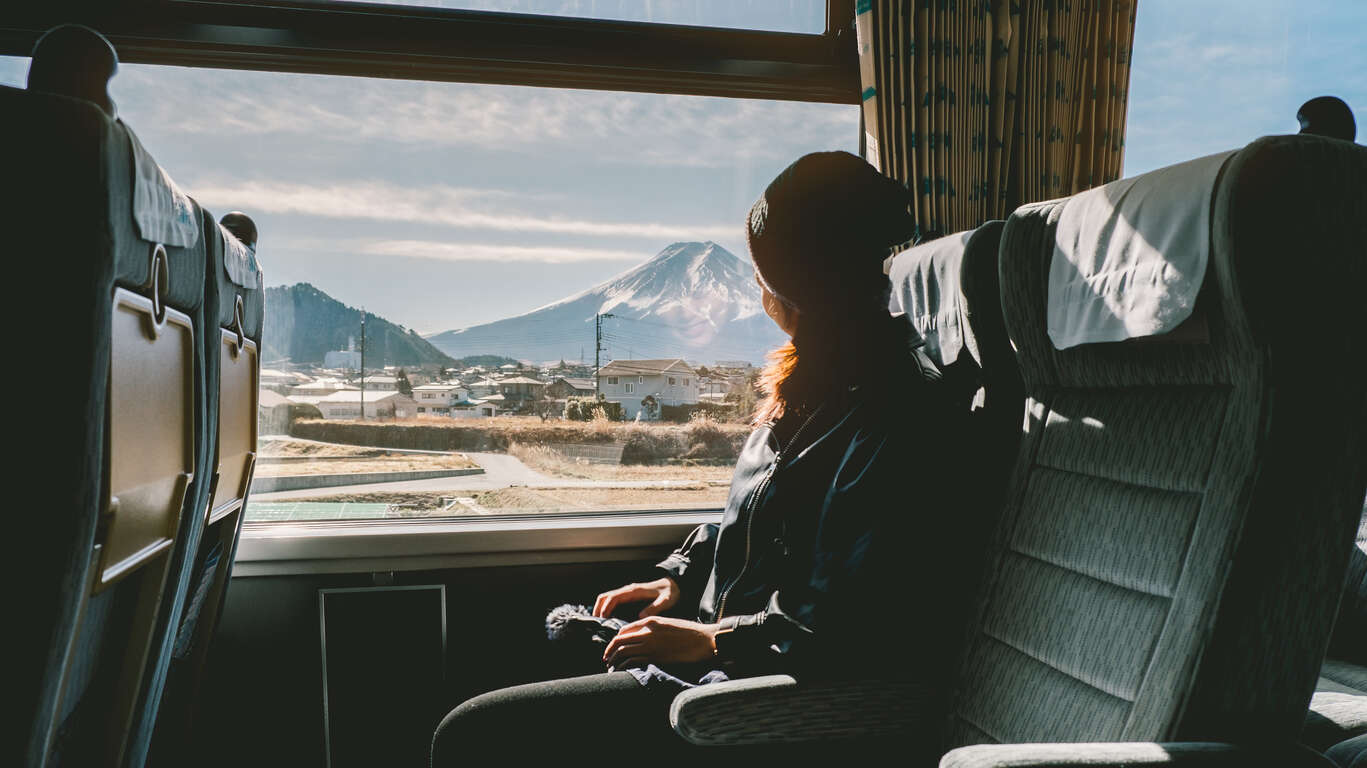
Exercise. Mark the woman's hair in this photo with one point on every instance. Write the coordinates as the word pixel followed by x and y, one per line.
pixel 777 384
pixel 818 237
pixel 827 351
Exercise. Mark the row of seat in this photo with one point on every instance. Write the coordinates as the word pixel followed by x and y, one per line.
pixel 1163 374
pixel 132 503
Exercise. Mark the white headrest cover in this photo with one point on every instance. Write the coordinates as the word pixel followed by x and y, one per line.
pixel 925 285
pixel 163 213
pixel 1129 256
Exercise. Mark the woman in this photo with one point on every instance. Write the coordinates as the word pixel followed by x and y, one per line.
pixel 840 530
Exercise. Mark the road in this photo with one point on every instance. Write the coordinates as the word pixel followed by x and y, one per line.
pixel 500 471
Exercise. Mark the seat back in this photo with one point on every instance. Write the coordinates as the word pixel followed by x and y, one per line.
pixel 949 290
pixel 235 303
pixel 123 471
pixel 1178 518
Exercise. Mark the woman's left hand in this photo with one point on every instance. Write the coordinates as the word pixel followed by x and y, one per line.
pixel 661 640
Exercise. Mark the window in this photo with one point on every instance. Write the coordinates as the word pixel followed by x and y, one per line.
pixel 1213 78
pixel 448 207
pixel 671 381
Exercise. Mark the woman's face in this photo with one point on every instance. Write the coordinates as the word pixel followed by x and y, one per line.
pixel 782 314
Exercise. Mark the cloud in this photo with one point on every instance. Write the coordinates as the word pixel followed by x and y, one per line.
pixel 439 251
pixel 455 207
pixel 608 127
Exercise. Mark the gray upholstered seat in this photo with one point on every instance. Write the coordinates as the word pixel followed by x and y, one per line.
pixel 109 507
pixel 1338 710
pixel 1167 565
pixel 1176 532
pixel 234 304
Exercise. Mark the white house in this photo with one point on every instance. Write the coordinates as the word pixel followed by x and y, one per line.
pixel 378 405
pixel 483 387
pixel 437 399
pixel 381 383
pixel 629 382
pixel 320 388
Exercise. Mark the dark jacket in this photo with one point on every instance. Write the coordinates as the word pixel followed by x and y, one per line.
pixel 839 547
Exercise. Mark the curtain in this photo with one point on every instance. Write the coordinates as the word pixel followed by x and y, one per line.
pixel 981 105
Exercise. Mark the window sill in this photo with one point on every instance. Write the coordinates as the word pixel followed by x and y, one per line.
pixel 354 546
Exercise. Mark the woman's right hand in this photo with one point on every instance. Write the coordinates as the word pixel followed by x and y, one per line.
pixel 662 593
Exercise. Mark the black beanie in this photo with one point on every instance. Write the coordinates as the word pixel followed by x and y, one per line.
pixel 819 233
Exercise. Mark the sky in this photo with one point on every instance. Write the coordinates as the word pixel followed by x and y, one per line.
pixel 444 205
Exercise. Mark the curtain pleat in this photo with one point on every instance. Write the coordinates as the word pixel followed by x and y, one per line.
pixel 980 106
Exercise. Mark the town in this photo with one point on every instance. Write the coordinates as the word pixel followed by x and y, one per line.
pixel 621 390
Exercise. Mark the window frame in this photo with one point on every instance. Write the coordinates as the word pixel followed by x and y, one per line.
pixel 440 44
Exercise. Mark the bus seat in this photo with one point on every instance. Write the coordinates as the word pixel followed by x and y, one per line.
pixel 1338 710
pixel 1174 541
pixel 950 289
pixel 236 298
pixel 102 230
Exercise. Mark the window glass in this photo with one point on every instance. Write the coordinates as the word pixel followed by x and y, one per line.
pixel 496 240
pixel 808 16
pixel 1208 77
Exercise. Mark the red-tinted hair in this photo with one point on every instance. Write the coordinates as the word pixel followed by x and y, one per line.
pixel 777 383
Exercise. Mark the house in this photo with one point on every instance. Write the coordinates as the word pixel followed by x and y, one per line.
pixel 378 405
pixel 521 389
pixel 482 388
pixel 473 409
pixel 272 412
pixel 564 386
pixel 319 388
pixel 437 399
pixel 630 382
pixel 280 381
pixel 381 383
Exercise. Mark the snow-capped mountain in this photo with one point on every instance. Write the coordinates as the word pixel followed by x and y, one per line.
pixel 697 301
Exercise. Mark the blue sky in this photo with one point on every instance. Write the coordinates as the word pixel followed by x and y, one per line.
pixel 441 205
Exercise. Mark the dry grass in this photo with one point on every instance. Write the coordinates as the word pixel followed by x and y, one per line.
pixel 643 443
pixel 550 462
pixel 292 448
pixel 390 463
pixel 524 500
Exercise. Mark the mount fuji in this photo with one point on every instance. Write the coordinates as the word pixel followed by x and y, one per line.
pixel 696 301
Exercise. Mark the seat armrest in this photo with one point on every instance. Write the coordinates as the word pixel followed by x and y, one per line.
pixel 775 708
pixel 1134 754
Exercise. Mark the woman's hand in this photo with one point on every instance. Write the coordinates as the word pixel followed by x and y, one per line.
pixel 662 593
pixel 661 640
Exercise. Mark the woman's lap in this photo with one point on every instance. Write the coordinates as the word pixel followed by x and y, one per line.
pixel 585 716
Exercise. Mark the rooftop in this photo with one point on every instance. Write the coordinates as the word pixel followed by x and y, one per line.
pixel 644 367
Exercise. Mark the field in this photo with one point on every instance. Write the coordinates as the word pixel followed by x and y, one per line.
pixel 647 443
pixel 516 500
pixel 550 462
pixel 280 458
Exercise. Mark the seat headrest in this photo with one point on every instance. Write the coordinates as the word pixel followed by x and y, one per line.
pixel 1130 256
pixel 925 285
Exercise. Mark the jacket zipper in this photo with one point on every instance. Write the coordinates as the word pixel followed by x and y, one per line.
pixel 754 502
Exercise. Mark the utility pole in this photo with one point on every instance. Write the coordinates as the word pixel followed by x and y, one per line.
pixel 598 349
pixel 362 363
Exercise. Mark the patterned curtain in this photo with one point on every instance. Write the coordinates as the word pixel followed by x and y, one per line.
pixel 982 105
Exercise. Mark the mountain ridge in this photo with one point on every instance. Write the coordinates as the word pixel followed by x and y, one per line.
pixel 303 323
pixel 695 300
